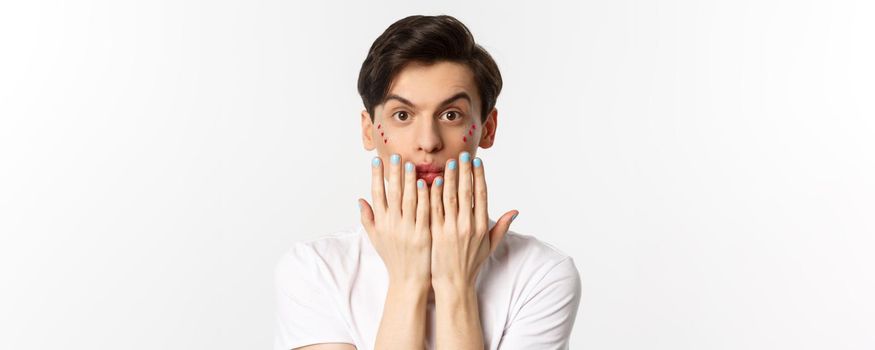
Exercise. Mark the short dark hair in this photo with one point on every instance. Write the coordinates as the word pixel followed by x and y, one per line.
pixel 426 39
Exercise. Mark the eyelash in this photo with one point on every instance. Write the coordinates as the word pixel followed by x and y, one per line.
pixel 459 113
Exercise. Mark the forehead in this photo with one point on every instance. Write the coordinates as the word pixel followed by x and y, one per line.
pixel 429 85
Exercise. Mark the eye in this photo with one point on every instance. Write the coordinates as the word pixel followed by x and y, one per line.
pixel 399 115
pixel 455 115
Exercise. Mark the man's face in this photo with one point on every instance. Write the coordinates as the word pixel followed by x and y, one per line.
pixel 432 113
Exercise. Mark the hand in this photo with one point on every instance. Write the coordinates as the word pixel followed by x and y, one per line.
pixel 399 228
pixel 459 223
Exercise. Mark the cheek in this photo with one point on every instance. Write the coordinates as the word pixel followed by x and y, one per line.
pixel 382 133
pixel 469 133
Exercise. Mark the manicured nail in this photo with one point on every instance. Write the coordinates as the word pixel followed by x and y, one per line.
pixel 465 157
pixel 439 181
pixel 477 162
pixel 359 204
pixel 408 166
pixel 395 159
pixel 376 161
pixel 513 217
pixel 420 183
pixel 452 165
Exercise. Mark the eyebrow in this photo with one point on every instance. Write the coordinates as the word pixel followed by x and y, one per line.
pixel 461 95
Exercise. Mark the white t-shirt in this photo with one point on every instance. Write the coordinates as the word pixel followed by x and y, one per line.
pixel 332 290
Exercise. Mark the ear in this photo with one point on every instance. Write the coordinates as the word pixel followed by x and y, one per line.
pixel 487 138
pixel 367 131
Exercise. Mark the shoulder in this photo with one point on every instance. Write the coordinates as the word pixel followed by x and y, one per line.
pixel 332 250
pixel 533 265
pixel 527 250
pixel 545 292
pixel 309 307
pixel 532 246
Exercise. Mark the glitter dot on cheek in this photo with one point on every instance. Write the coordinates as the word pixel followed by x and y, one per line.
pixel 470 132
pixel 382 133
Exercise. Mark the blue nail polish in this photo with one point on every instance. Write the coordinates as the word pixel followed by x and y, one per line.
pixel 359 204
pixel 513 217
pixel 477 162
pixel 439 181
pixel 395 159
pixel 408 167
pixel 465 157
pixel 376 161
pixel 420 183
pixel 452 165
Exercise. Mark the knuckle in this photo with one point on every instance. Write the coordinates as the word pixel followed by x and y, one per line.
pixel 466 192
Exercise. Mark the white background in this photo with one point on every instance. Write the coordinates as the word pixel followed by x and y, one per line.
pixel 708 164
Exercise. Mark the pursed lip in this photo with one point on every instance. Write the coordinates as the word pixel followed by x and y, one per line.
pixel 428 168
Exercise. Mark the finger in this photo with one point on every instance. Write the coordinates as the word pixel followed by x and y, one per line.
pixel 437 204
pixel 481 213
pixel 408 206
pixel 367 217
pixel 465 190
pixel 422 207
pixel 378 190
pixel 451 200
pixel 500 229
pixel 394 205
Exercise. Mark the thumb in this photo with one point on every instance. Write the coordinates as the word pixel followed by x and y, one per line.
pixel 367 216
pixel 496 234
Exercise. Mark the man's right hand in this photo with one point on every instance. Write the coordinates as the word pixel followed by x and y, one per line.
pixel 398 225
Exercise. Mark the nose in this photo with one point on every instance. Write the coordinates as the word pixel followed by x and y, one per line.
pixel 428 136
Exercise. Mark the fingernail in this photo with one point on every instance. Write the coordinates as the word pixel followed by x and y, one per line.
pixel 376 161
pixel 420 183
pixel 465 157
pixel 477 162
pixel 395 159
pixel 439 181
pixel 452 165
pixel 359 204
pixel 512 218
pixel 408 167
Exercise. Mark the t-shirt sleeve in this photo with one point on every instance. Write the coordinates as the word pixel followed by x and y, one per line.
pixel 306 314
pixel 547 316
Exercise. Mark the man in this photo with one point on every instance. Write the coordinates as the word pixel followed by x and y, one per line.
pixel 427 268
